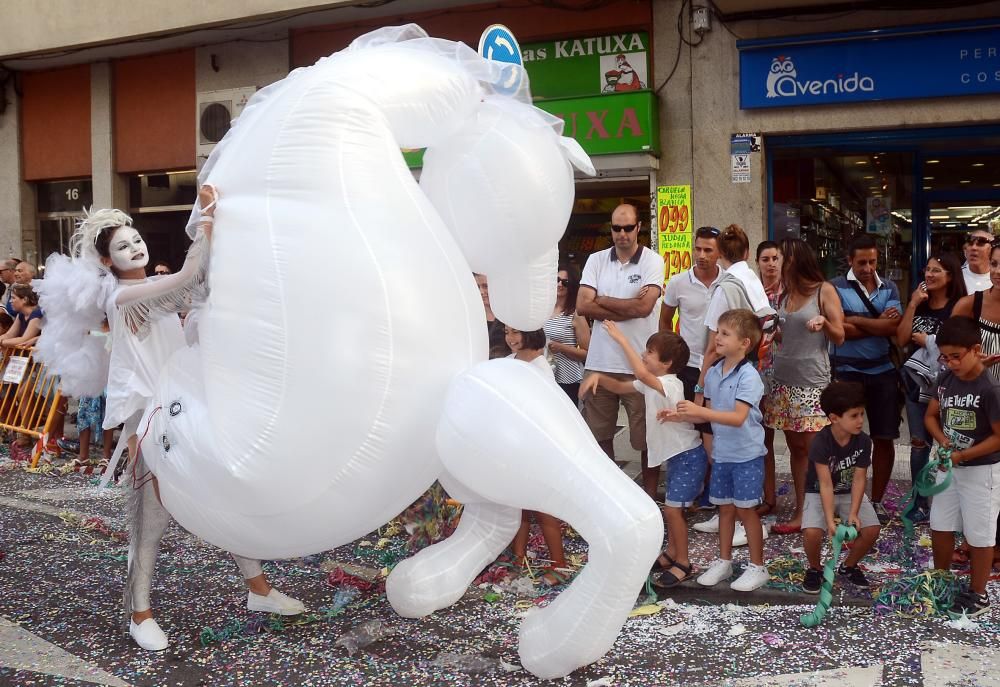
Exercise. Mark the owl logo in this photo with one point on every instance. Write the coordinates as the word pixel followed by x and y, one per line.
pixel 781 68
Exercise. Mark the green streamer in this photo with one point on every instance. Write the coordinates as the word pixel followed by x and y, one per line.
pixel 925 485
pixel 826 591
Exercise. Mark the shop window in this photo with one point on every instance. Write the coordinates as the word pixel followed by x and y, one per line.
pixel 160 204
pixel 964 194
pixel 589 228
pixel 827 197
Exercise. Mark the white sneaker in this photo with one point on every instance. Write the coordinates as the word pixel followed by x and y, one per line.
pixel 275 602
pixel 754 577
pixel 739 535
pixel 710 525
pixel 148 635
pixel 717 572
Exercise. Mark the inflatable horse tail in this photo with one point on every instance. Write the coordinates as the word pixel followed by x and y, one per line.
pixel 341 366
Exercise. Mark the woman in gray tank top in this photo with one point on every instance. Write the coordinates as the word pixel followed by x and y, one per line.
pixel 810 319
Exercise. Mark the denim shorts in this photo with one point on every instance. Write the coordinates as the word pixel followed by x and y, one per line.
pixel 739 484
pixel 686 477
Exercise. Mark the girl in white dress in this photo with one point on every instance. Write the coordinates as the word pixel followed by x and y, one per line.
pixel 145 330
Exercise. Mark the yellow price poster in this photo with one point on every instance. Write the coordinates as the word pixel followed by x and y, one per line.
pixel 673 229
pixel 673 224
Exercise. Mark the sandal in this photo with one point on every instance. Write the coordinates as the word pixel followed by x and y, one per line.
pixel 786 528
pixel 667 579
pixel 662 567
pixel 551 577
pixel 765 508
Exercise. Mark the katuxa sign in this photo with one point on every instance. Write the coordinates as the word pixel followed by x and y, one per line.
pixel 604 124
pixel 889 64
pixel 588 66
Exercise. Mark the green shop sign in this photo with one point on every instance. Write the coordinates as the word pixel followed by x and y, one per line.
pixel 602 124
pixel 588 66
pixel 606 124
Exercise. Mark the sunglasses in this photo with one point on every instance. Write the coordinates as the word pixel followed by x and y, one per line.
pixel 564 282
pixel 627 228
pixel 979 241
pixel 706 232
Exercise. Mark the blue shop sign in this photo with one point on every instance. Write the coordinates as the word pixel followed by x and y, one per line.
pixel 884 64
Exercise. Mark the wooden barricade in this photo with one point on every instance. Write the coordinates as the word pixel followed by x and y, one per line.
pixel 29 397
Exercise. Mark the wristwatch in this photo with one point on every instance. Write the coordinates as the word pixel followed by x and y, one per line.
pixel 699 389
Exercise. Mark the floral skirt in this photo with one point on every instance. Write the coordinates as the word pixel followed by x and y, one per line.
pixel 90 414
pixel 793 409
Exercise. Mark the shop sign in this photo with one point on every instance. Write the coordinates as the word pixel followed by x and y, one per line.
pixel 926 61
pixel 620 123
pixel 673 228
pixel 878 215
pixel 588 66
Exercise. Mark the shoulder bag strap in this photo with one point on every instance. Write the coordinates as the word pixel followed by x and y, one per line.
pixel 977 305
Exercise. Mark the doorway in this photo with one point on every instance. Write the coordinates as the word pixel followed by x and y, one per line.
pixel 54 232
pixel 929 186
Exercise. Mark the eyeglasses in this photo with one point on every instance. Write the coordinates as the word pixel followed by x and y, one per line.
pixel 946 358
pixel 979 241
pixel 627 228
pixel 934 270
pixel 706 232
pixel 560 280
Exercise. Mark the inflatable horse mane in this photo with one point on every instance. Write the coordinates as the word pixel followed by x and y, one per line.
pixel 342 363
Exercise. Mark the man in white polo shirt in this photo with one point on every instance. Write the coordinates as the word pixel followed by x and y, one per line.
pixel 689 291
pixel 622 284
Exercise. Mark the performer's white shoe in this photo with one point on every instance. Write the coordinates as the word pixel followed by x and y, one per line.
pixel 148 635
pixel 275 602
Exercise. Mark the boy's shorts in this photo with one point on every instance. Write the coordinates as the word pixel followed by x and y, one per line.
pixel 970 504
pixel 813 516
pixel 686 477
pixel 739 484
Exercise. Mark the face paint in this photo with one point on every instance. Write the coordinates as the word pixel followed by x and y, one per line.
pixel 128 250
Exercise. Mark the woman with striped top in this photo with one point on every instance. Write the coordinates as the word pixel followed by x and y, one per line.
pixel 567 332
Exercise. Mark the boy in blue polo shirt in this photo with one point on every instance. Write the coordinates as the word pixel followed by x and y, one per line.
pixel 733 390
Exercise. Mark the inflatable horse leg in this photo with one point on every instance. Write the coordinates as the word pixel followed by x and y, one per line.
pixel 439 575
pixel 510 435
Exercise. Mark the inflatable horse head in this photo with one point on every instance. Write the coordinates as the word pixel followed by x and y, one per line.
pixel 341 364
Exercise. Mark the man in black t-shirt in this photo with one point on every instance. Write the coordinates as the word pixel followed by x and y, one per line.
pixel 839 458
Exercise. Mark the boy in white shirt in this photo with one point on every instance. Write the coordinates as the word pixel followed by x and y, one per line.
pixel 677 444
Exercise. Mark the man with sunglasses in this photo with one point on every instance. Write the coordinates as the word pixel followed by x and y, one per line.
pixel 977 260
pixel 622 284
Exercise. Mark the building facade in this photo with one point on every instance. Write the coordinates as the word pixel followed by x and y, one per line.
pixel 785 121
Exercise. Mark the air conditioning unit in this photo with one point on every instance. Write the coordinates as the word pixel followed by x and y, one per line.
pixel 215 113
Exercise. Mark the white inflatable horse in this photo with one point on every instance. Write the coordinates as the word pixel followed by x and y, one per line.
pixel 342 364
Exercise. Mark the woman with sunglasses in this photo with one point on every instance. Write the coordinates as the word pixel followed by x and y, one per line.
pixel 567 332
pixel 811 319
pixel 931 303
pixel 984 308
pixel 976 271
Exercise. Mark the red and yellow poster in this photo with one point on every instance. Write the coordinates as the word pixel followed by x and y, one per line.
pixel 673 227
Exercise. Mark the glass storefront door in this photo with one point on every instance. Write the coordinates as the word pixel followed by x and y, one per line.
pixel 916 191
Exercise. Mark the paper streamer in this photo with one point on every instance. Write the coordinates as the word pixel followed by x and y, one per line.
pixel 826 591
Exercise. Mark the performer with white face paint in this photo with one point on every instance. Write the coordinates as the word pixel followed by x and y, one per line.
pixel 145 331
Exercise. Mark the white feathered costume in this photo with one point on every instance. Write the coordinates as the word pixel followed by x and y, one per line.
pixel 78 294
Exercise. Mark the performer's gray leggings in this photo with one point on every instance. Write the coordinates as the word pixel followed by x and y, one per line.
pixel 149 522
